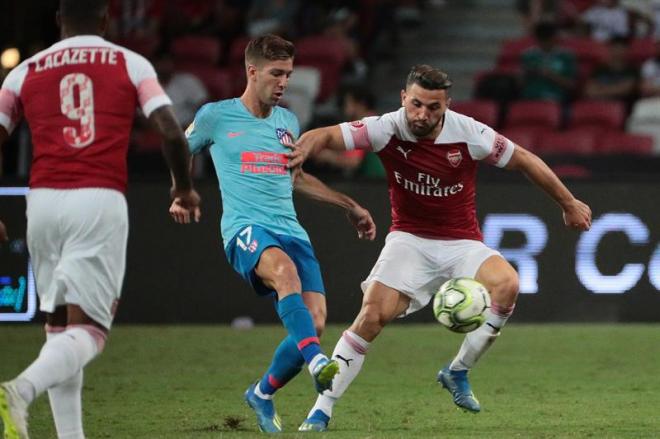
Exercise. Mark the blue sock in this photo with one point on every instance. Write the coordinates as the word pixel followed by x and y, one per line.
pixel 287 362
pixel 298 322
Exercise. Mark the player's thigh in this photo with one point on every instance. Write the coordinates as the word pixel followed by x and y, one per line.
pixel 307 266
pixel 406 265
pixel 45 242
pixel 500 278
pixel 93 259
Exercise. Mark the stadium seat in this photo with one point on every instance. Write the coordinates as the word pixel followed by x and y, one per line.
pixel 640 50
pixel 525 137
pixel 645 120
pixel 588 52
pixel 573 142
pixel 326 54
pixel 605 115
pixel 625 143
pixel 218 81
pixel 196 49
pixel 481 110
pixel 510 51
pixel 534 114
pixel 237 51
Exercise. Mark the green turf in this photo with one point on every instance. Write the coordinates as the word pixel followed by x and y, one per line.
pixel 539 381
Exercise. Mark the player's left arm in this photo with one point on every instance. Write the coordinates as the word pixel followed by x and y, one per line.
pixel 576 213
pixel 315 189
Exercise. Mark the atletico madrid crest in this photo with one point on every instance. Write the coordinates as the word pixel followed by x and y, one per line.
pixel 454 157
pixel 284 136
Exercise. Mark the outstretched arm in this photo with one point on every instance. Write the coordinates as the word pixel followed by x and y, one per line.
pixel 576 213
pixel 315 189
pixel 315 140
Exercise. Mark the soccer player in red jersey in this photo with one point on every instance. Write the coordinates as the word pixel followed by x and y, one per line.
pixel 79 97
pixel 430 154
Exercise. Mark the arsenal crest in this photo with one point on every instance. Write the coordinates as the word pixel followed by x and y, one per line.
pixel 454 157
pixel 284 136
pixel 356 125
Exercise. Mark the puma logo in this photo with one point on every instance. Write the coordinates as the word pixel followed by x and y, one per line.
pixel 482 130
pixel 403 151
pixel 345 360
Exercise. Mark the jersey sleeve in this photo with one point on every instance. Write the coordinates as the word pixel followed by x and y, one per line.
pixel 487 144
pixel 11 109
pixel 371 133
pixel 295 126
pixel 200 132
pixel 151 95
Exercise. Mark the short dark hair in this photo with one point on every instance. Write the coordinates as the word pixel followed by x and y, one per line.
pixel 545 30
pixel 269 47
pixel 428 77
pixel 82 14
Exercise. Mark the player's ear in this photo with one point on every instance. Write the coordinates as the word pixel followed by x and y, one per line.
pixel 448 102
pixel 403 98
pixel 251 70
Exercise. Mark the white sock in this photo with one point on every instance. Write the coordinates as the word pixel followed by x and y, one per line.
pixel 260 394
pixel 315 361
pixel 61 357
pixel 476 343
pixel 66 404
pixel 349 353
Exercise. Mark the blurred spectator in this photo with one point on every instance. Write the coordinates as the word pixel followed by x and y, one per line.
pixel 535 11
pixel 357 103
pixel 342 24
pixel 186 90
pixel 272 16
pixel 549 71
pixel 616 78
pixel 134 19
pixel 651 74
pixel 608 19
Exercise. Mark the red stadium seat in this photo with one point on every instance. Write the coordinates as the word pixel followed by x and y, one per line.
pixel 575 142
pixel 640 50
pixel 605 115
pixel 534 114
pixel 196 49
pixel 483 111
pixel 587 51
pixel 217 81
pixel 237 51
pixel 510 51
pixel 625 143
pixel 326 54
pixel 525 137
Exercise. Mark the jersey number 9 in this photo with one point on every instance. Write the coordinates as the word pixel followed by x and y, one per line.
pixel 84 111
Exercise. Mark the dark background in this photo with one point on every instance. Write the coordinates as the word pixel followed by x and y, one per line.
pixel 178 274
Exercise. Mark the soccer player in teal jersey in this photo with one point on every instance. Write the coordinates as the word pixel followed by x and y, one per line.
pixel 263 240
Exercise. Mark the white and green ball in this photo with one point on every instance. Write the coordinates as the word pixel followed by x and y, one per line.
pixel 460 304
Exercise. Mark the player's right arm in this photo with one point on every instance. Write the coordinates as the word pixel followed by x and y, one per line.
pixel 198 135
pixel 3 232
pixel 11 110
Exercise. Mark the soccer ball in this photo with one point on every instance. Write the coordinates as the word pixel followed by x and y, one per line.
pixel 460 304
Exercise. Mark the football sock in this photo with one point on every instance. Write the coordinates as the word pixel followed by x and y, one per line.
pixel 298 322
pixel 287 362
pixel 349 353
pixel 61 357
pixel 477 342
pixel 65 400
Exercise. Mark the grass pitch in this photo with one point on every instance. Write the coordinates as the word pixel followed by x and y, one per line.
pixel 538 381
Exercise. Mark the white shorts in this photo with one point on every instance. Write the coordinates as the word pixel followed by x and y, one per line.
pixel 77 242
pixel 417 267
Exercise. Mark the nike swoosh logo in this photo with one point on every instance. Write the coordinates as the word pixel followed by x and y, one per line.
pixel 482 130
pixel 233 134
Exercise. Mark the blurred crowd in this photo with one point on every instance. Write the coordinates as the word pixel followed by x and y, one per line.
pixel 585 80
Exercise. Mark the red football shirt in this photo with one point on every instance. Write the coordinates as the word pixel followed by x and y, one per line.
pixel 431 182
pixel 79 98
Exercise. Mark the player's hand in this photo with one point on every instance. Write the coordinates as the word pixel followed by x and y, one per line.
pixel 3 232
pixel 185 206
pixel 299 152
pixel 577 215
pixel 362 221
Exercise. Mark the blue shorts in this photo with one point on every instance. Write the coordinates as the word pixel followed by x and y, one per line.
pixel 246 247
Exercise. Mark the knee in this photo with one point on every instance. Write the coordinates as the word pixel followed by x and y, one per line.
pixel 505 290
